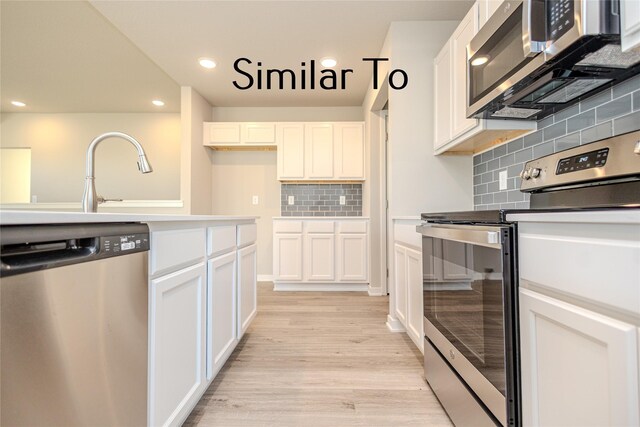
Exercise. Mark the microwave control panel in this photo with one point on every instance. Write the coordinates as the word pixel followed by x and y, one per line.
pixel 560 18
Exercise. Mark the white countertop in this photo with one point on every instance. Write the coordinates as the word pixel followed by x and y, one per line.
pixel 43 217
pixel 333 218
pixel 613 216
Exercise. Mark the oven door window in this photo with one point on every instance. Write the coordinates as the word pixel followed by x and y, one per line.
pixel 464 300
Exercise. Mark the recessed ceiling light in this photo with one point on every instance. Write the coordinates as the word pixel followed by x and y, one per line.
pixel 18 104
pixel 207 62
pixel 328 62
pixel 157 103
pixel 480 60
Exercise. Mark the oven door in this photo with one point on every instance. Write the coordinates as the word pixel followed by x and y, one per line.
pixel 469 308
pixel 507 49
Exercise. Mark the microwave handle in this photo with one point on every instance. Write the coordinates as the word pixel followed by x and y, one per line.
pixel 533 27
pixel 487 238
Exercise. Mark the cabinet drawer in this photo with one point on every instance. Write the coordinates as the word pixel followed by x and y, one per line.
pixel 407 234
pixel 174 249
pixel 353 227
pixel 287 226
pixel 247 234
pixel 598 262
pixel 221 239
pixel 320 227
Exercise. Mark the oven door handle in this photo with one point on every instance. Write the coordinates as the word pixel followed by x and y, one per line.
pixel 485 236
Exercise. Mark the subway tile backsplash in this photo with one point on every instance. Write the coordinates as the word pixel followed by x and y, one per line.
pixel 321 200
pixel 612 112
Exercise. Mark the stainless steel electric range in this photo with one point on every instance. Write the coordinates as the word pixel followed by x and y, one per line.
pixel 470 270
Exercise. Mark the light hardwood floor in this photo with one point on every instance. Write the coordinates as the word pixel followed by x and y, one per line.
pixel 320 359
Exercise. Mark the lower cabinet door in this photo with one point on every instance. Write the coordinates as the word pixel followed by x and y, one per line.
pixel 287 257
pixel 579 368
pixel 400 282
pixel 221 312
pixel 353 257
pixel 415 310
pixel 320 255
pixel 177 344
pixel 247 298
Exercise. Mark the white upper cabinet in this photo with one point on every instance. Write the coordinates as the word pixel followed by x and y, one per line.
pixel 319 148
pixel 290 141
pixel 630 23
pixel 486 8
pixel 454 133
pixel 442 89
pixel 230 134
pixel 459 41
pixel 349 150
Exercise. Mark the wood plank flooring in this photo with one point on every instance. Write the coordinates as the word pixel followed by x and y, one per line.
pixel 320 359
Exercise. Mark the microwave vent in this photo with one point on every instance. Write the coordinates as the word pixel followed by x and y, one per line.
pixel 515 113
pixel 572 90
pixel 611 56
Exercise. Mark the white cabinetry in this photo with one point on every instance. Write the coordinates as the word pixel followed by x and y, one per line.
pixel 579 368
pixel 353 263
pixel 178 302
pixel 453 131
pixel 201 299
pixel 319 150
pixel 287 251
pixel 461 37
pixel 247 288
pixel 630 24
pixel 443 102
pixel 579 317
pixel 400 281
pixel 320 251
pixel 290 140
pixel 221 311
pixel 232 134
pixel 415 311
pixel 319 260
pixel 486 8
pixel 349 150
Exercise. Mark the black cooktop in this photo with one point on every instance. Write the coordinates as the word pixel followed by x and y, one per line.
pixel 500 216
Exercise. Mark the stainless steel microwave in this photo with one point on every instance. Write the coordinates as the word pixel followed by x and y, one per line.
pixel 534 57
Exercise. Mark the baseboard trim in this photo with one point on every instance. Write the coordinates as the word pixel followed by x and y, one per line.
pixel 394 325
pixel 321 287
pixel 265 277
pixel 375 292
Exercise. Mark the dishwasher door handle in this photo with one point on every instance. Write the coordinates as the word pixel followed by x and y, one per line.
pixel 36 257
pixel 468 234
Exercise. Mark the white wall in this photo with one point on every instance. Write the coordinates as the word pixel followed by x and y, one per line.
pixel 195 180
pixel 237 177
pixel 418 181
pixel 59 144
pixel 283 114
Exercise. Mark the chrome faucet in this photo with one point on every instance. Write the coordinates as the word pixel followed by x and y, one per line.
pixel 90 199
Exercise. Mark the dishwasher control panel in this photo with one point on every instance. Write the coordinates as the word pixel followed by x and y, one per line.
pixel 118 245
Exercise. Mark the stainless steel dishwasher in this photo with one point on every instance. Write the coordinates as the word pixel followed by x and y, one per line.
pixel 73 322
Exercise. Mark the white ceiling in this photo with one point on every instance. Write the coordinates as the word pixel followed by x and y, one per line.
pixel 280 34
pixel 64 56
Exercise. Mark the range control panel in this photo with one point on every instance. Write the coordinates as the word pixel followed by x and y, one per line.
pixel 115 245
pixel 609 159
pixel 578 162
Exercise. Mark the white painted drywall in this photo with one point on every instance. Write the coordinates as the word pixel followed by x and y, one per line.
pixel 195 159
pixel 237 177
pixel 59 144
pixel 15 175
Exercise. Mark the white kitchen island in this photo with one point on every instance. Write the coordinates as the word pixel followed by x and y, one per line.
pixel 202 298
